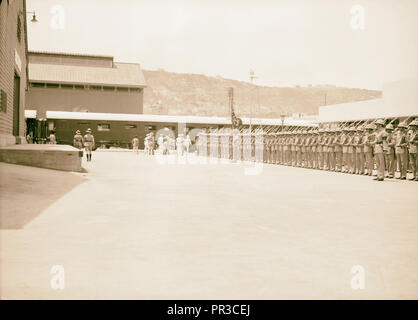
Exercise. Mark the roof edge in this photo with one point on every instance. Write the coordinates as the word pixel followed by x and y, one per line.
pixel 71 54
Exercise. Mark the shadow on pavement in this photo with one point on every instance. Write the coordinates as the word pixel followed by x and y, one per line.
pixel 25 192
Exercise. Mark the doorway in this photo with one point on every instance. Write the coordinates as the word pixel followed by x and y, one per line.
pixel 16 105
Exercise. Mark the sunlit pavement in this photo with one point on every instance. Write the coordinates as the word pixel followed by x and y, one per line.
pixel 135 229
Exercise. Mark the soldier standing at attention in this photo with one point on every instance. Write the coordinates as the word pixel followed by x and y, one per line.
pixel 344 144
pixel 330 151
pixel 401 150
pixel 380 136
pixel 286 148
pixel 413 142
pixel 390 151
pixel 188 142
pixel 78 140
pixel 292 149
pixel 338 150
pixel 296 148
pixel 351 150
pixel 275 149
pixel 135 144
pixel 308 146
pixel 303 149
pixel 88 143
pixel 320 148
pixel 359 150
pixel 314 142
pixel 367 149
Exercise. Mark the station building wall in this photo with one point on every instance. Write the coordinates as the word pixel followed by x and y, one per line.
pixel 85 99
pixel 13 71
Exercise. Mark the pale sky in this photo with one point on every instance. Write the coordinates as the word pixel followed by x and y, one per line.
pixel 286 42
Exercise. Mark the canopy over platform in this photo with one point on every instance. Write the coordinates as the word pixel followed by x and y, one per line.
pixel 399 99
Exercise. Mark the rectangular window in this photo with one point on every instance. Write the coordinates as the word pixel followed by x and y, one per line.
pixel 95 88
pixel 83 123
pixel 109 88
pixel 67 86
pixel 130 126
pixel 78 86
pixel 122 89
pixel 37 84
pixel 52 85
pixel 103 127
pixel 135 89
pixel 62 124
pixel 3 101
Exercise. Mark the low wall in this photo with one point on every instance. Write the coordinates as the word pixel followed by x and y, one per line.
pixel 50 156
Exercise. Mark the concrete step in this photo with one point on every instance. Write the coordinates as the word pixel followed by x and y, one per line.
pixel 50 156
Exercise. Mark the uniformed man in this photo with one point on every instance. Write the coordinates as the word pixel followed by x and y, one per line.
pixel 187 143
pixel 88 143
pixel 367 149
pixel 135 144
pixel 351 150
pixel 413 143
pixel 180 145
pixel 358 141
pixel 380 136
pixel 78 140
pixel 286 148
pixel 308 147
pixel 338 150
pixel 302 149
pixel 401 150
pixel 52 138
pixel 344 144
pixel 151 143
pixel 293 147
pixel 331 150
pixel 389 148
pixel 314 144
pixel 321 149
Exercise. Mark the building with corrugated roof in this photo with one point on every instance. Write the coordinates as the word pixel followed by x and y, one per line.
pixel 83 83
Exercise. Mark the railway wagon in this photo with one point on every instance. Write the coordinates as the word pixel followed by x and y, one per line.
pixel 113 129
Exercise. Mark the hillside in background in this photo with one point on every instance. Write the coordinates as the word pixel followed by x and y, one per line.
pixel 196 94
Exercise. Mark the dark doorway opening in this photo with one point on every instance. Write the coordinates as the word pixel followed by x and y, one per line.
pixel 16 105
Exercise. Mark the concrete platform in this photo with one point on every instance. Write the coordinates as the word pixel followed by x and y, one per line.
pixel 131 228
pixel 50 156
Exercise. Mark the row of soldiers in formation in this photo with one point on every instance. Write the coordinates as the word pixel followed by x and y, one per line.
pixel 349 149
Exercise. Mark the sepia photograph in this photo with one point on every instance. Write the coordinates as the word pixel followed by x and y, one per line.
pixel 197 150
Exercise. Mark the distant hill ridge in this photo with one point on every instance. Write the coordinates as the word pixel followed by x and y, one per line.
pixel 200 95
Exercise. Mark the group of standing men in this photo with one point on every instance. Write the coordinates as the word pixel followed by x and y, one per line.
pixel 86 141
pixel 348 149
pixel 167 144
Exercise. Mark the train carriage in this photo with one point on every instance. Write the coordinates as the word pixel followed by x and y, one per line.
pixel 113 129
